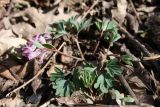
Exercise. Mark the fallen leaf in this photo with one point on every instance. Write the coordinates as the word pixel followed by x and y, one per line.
pixel 9 102
pixel 147 9
pixel 68 51
pixel 6 73
pixel 120 13
pixel 107 4
pixel 36 84
pixel 8 84
pixel 133 23
pixel 37 24
pixel 75 99
pixel 8 41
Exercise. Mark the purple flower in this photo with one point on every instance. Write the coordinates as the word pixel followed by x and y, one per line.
pixel 32 50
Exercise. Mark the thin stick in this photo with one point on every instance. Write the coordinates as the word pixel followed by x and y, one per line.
pixel 98 43
pixel 124 82
pixel 89 10
pixel 80 59
pixel 130 37
pixel 139 20
pixel 156 57
pixel 46 104
pixel 79 48
pixel 39 72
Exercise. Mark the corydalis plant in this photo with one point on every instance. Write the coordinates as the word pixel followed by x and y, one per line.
pixel 35 48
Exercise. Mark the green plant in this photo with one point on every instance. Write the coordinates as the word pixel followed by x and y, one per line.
pixel 120 98
pixel 87 77
pixel 105 80
pixel 63 87
pixel 127 59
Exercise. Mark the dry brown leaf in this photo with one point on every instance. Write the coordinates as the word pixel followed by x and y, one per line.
pixel 9 102
pixel 4 2
pixel 147 9
pixel 8 84
pixel 36 84
pixel 107 4
pixel 68 51
pixel 144 98
pixel 120 13
pixel 133 23
pixel 6 73
pixel 35 17
pixel 24 30
pixel 8 41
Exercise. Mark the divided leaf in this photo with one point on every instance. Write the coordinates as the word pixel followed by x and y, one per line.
pixel 63 87
pixel 88 76
pixel 57 75
pixel 113 68
pixel 104 83
pixel 127 59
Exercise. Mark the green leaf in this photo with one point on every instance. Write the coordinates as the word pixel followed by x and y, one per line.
pixel 115 37
pixel 49 46
pixel 88 76
pixel 78 25
pixel 110 25
pixel 113 68
pixel 63 87
pixel 104 83
pixel 57 75
pixel 59 29
pixel 128 99
pixel 84 24
pixel 38 45
pixel 127 59
pixel 100 80
pixel 105 25
pixel 98 25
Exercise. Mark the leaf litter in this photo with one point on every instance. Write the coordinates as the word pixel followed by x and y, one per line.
pixel 86 70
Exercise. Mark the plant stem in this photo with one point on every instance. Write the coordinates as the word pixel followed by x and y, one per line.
pixel 79 48
pixel 98 43
pixel 68 55
pixel 108 50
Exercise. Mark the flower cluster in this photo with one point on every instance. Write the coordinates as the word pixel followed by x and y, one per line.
pixel 35 49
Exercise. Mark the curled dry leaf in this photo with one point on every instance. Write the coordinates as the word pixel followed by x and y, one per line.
pixel 120 13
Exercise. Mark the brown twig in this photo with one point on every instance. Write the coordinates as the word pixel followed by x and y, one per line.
pixel 89 10
pixel 137 16
pixel 38 73
pixel 124 82
pixel 10 7
pixel 79 48
pixel 80 59
pixel 98 43
pixel 156 57
pixel 46 104
pixel 130 37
